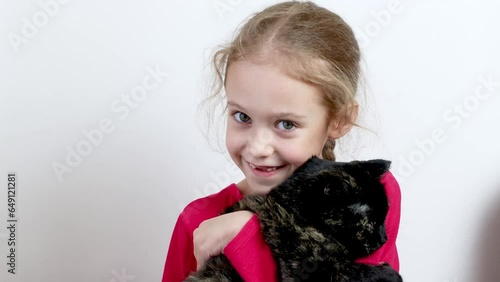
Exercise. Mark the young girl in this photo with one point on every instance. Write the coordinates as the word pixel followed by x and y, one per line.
pixel 290 78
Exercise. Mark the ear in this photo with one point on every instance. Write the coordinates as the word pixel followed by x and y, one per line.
pixel 374 168
pixel 377 167
pixel 339 126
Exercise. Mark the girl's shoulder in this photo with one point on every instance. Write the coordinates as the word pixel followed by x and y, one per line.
pixel 209 206
pixel 391 186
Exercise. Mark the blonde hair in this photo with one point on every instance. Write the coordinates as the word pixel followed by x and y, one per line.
pixel 313 44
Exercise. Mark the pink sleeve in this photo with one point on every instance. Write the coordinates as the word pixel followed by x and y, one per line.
pixel 250 255
pixel 388 252
pixel 180 257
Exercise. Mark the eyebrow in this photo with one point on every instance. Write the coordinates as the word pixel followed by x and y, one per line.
pixel 278 115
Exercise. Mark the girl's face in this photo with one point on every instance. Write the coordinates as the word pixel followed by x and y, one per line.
pixel 275 124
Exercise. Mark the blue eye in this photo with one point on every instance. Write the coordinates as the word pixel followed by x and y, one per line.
pixel 241 117
pixel 287 125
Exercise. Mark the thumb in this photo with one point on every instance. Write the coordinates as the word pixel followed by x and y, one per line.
pixel 199 263
pixel 201 260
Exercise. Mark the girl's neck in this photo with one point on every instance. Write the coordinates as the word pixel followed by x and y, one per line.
pixel 243 187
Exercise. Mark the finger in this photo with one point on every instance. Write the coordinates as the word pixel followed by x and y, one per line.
pixel 201 256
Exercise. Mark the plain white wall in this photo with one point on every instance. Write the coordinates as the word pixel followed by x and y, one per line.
pixel 109 217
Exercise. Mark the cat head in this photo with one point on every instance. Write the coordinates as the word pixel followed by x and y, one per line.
pixel 345 201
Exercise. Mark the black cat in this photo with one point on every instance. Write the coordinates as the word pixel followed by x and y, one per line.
pixel 317 223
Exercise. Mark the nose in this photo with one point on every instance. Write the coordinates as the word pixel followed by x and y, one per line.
pixel 260 144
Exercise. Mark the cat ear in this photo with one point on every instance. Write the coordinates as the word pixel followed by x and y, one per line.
pixel 316 168
pixel 374 168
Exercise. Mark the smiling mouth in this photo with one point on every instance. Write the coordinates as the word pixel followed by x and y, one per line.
pixel 265 168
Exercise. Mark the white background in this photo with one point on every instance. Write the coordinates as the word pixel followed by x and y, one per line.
pixel 111 217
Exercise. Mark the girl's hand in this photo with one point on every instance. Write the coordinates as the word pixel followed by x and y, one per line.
pixel 213 235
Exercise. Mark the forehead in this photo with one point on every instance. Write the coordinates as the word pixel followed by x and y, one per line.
pixel 262 87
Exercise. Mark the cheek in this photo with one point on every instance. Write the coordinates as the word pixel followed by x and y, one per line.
pixel 299 152
pixel 295 153
pixel 234 141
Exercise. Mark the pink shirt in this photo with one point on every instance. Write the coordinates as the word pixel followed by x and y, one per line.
pixel 248 252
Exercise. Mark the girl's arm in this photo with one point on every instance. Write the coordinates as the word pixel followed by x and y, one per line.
pixel 250 255
pixel 180 259
pixel 247 252
pixel 388 252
